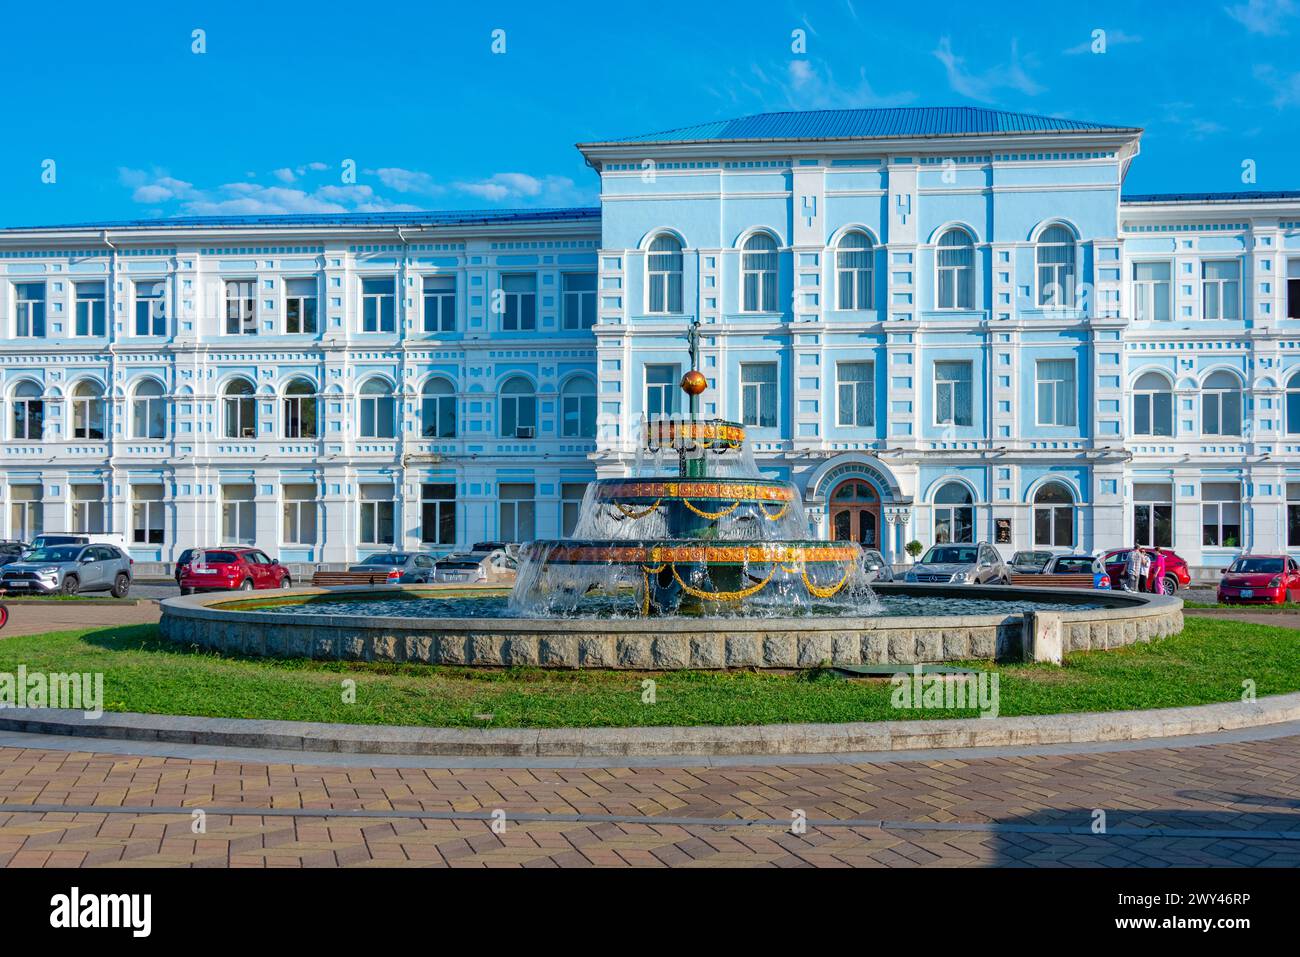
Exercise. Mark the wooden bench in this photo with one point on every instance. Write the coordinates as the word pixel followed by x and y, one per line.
pixel 333 579
pixel 1076 580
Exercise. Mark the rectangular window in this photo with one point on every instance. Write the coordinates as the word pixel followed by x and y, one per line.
pixel 29 311
pixel 439 304
pixel 1153 515
pixel 758 394
pixel 571 495
pixel 298 514
pixel 238 515
pixel 148 523
pixel 241 307
pixel 1151 285
pixel 378 515
pixel 661 389
pixel 1221 514
pixel 517 512
pixel 88 509
pixel 300 306
pixel 1221 289
pixel 1293 514
pixel 857 393
pixel 952 393
pixel 438 513
pixel 1056 392
pixel 90 309
pixel 379 305
pixel 1221 412
pixel 150 308
pixel 519 305
pixel 1293 289
pixel 579 300
pixel 26 512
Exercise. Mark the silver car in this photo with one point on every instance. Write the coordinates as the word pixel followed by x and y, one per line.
pixel 407 568
pixel 877 569
pixel 69 569
pixel 960 565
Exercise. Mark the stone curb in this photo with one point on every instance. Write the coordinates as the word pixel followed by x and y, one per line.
pixel 772 739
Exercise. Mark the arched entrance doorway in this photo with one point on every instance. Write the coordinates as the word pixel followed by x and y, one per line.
pixel 854 508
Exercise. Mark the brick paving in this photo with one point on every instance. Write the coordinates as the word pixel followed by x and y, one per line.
pixel 1221 804
pixel 37 618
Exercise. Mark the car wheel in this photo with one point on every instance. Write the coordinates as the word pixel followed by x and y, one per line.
pixel 1171 585
pixel 121 585
pixel 285 583
pixel 247 586
pixel 186 591
pixel 70 585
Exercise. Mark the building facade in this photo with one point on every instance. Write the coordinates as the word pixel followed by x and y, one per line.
pixel 942 324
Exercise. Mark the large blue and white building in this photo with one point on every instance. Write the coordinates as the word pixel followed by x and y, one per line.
pixel 942 324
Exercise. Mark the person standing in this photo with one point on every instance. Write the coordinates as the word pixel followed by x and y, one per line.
pixel 1159 564
pixel 1132 568
pixel 1144 570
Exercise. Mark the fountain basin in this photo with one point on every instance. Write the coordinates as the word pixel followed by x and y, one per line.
pixel 1099 621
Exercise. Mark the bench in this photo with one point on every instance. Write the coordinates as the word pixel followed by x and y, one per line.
pixel 1076 580
pixel 332 579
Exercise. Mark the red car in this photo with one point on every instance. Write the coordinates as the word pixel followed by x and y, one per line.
pixel 232 569
pixel 1271 579
pixel 1176 574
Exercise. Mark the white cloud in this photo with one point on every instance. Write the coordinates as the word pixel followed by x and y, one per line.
pixel 1190 118
pixel 514 187
pixel 984 86
pixel 1267 17
pixel 1286 88
pixel 407 180
pixel 811 85
pixel 285 175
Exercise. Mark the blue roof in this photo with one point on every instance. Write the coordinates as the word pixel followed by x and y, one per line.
pixel 1243 196
pixel 470 217
pixel 867 124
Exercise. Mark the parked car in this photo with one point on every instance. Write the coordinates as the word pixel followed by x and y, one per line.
pixel 960 564
pixel 184 559
pixel 476 567
pixel 232 569
pixel 1029 563
pixel 398 567
pixel 13 551
pixel 877 569
pixel 46 539
pixel 1078 565
pixel 1269 579
pixel 69 569
pixel 1176 574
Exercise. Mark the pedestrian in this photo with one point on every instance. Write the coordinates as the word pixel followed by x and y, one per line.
pixel 1144 570
pixel 1159 564
pixel 1132 568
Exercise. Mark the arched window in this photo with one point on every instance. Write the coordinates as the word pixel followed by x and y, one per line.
pixel 148 411
pixel 1153 405
pixel 438 410
pixel 578 408
pixel 758 274
pixel 88 411
pixel 954 514
pixel 853 271
pixel 1221 404
pixel 664 275
pixel 1053 516
pixel 1293 405
pixel 378 410
pixel 955 263
pixel 301 410
pixel 240 410
pixel 518 409
pixel 29 411
pixel 1056 271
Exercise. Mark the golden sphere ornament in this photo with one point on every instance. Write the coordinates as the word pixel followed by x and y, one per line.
pixel 694 383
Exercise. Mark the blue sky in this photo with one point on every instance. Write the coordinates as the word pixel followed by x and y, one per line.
pixel 138 125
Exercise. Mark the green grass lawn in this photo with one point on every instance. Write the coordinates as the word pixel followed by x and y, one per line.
pixel 1206 663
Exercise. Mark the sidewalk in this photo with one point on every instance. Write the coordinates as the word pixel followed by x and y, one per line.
pixel 34 618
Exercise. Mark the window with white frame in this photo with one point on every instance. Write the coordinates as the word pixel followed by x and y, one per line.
pixel 1056 394
pixel 953 393
pixel 1153 514
pixel 854 271
pixel 438 409
pixel 954 514
pixel 438 513
pixel 519 302
pixel 1153 405
pixel 1221 289
pixel 89 411
pixel 856 388
pixel 88 509
pixel 300 306
pixel 239 409
pixel 148 518
pixel 1221 514
pixel 1221 404
pixel 661 389
pixel 1053 516
pixel 379 304
pixel 664 275
pixel 1056 267
pixel 378 514
pixel 1151 292
pixel 26 512
pixel 238 514
pixel 88 319
pixel 29 310
pixel 517 511
pixel 150 307
pixel 241 307
pixel 28 406
pixel 1293 514
pixel 955 269
pixel 578 408
pixel 1293 289
pixel 518 409
pixel 378 410
pixel 298 512
pixel 439 304
pixel 1293 405
pixel 571 495
pixel 579 291
pixel 758 269
pixel 149 410
pixel 301 410
pixel 758 394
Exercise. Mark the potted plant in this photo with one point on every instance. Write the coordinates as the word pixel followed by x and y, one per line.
pixel 914 549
